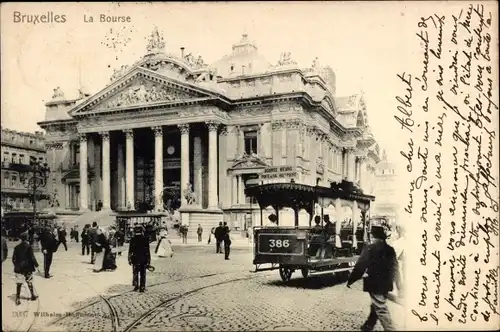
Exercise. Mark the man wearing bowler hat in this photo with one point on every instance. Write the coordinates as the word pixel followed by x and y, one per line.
pixel 139 256
pixel 378 260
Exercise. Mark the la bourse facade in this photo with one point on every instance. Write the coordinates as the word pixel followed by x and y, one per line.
pixel 170 132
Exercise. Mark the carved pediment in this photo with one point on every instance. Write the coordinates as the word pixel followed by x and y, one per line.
pixel 139 88
pixel 249 161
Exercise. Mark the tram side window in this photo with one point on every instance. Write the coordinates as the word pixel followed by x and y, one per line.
pixel 251 142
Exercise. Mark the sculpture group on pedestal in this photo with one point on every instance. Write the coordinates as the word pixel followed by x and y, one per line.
pixel 189 195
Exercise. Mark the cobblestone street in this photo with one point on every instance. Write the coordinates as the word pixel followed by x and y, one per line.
pixel 195 290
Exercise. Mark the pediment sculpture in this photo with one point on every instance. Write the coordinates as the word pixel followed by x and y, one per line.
pixel 194 62
pixel 286 59
pixel 141 93
pixel 249 161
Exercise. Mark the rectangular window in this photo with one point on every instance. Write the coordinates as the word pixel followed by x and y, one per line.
pixel 21 158
pixel 6 156
pixel 76 153
pixel 6 179
pixel 14 181
pixel 251 142
pixel 13 158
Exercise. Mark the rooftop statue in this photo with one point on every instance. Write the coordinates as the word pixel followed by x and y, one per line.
pixel 315 64
pixel 155 42
pixel 58 93
pixel 117 73
pixel 286 59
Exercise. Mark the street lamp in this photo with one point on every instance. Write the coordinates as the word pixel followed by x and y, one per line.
pixel 35 179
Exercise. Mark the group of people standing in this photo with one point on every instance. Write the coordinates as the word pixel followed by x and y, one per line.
pixel 222 236
pixel 103 247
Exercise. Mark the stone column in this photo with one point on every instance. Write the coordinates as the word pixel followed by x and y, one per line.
pixel 277 142
pixel 362 170
pixel 67 200
pixel 313 154
pixel 212 165
pixel 224 183
pixel 184 128
pixel 106 172
pixel 355 216
pixel 197 170
pixel 121 177
pixel 241 190
pixel 84 181
pixel 338 223
pixel 351 168
pixel 158 189
pixel 234 190
pixel 130 176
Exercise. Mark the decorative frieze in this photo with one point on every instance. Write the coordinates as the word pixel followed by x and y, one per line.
pixel 278 125
pixel 285 78
pixel 266 80
pixel 54 146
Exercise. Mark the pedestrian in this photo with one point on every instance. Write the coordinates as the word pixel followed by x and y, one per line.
pixel 62 238
pixel 120 240
pixel 93 240
pixel 164 247
pixel 109 262
pixel 218 233
pixel 227 241
pixel 49 245
pixel 99 205
pixel 139 256
pixel 5 248
pixel 211 235
pixel 380 263
pixel 184 232
pixel 100 246
pixel 86 239
pixel 76 234
pixel 25 264
pixel 199 231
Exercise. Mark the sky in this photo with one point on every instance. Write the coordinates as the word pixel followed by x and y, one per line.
pixel 366 45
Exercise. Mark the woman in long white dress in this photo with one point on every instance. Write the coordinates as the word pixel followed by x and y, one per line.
pixel 164 247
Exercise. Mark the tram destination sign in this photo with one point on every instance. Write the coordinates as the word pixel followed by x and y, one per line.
pixel 279 172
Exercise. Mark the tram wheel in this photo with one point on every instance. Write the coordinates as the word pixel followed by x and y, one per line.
pixel 286 273
pixel 305 272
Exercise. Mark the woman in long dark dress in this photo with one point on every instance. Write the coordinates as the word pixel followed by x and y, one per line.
pixel 109 263
pixel 102 244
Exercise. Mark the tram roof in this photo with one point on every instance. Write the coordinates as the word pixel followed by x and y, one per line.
pixel 302 195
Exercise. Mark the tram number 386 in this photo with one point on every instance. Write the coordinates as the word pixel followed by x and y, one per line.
pixel 279 243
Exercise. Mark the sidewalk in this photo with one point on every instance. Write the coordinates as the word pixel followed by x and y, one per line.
pixel 235 243
pixel 73 282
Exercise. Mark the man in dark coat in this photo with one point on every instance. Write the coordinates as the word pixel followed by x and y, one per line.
pixel 49 246
pixel 219 235
pixel 379 261
pixel 86 239
pixel 93 241
pixel 227 240
pixel 120 239
pixel 61 234
pixel 139 256
pixel 25 264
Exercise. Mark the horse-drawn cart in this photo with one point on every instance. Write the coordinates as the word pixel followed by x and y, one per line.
pixel 312 250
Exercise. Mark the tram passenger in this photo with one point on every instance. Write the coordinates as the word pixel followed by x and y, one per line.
pixel 317 229
pixel 272 221
pixel 379 261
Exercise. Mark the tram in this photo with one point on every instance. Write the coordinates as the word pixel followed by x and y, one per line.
pixel 304 248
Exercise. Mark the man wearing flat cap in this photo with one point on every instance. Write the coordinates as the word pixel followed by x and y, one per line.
pixel 25 264
pixel 378 260
pixel 139 256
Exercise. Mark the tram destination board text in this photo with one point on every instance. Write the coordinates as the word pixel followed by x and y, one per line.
pixel 278 173
pixel 278 244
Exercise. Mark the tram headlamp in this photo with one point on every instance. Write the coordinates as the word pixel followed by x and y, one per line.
pixel 301 235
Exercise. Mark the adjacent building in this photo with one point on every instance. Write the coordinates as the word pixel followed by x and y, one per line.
pixel 171 132
pixel 385 189
pixel 18 149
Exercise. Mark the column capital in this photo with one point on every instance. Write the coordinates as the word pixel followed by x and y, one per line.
pixel 104 135
pixel 129 133
pixel 350 149
pixel 184 128
pixel 223 131
pixel 158 131
pixel 82 137
pixel 212 125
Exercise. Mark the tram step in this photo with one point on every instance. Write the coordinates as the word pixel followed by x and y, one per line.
pixel 315 273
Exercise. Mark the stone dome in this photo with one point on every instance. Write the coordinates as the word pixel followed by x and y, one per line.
pixel 244 60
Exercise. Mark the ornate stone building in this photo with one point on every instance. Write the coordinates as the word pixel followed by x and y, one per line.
pixel 171 131
pixel 18 149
